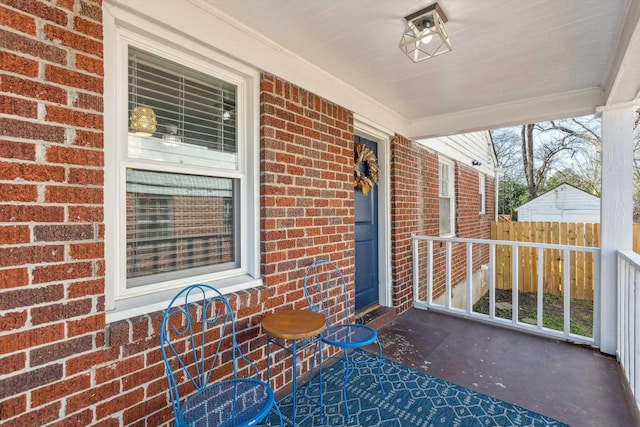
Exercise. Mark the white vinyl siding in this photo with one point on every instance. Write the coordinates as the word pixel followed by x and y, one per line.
pixel 564 203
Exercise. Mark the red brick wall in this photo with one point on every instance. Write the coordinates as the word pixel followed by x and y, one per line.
pixel 415 209
pixel 469 224
pixel 51 210
pixel 306 196
pixel 60 363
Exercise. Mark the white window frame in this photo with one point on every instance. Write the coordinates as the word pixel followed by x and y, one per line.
pixel 452 195
pixel 122 302
pixel 483 193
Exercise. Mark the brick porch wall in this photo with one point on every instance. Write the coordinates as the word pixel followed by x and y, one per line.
pixel 60 363
pixel 469 224
pixel 306 196
pixel 415 209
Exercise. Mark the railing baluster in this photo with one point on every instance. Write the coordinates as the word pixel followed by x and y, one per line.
pixel 540 296
pixel 514 284
pixel 632 305
pixel 430 272
pixel 596 301
pixel 624 307
pixel 492 281
pixel 469 276
pixel 623 274
pixel 566 266
pixel 634 333
pixel 416 267
pixel 628 321
pixel 454 277
pixel 448 274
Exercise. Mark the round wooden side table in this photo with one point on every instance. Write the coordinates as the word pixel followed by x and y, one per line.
pixel 294 326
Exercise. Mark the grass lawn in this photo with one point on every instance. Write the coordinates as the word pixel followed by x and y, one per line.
pixel 552 311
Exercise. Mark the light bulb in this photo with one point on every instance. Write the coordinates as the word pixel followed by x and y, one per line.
pixel 425 40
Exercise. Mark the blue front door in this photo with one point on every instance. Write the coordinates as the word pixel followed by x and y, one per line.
pixel 366 240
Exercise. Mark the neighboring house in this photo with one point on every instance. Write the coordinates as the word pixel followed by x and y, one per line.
pixel 564 203
pixel 241 180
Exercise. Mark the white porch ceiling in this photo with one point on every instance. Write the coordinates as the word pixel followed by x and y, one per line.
pixel 512 61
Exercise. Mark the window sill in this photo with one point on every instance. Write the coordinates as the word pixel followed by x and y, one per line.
pixel 136 306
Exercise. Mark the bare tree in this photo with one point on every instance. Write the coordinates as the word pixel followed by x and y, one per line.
pixel 506 144
pixel 537 151
pixel 545 154
pixel 545 146
pixel 583 134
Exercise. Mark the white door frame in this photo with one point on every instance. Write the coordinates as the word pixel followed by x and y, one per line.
pixel 369 130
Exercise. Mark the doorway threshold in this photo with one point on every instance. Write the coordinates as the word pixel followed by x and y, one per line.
pixel 376 315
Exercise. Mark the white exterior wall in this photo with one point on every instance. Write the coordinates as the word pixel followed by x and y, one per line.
pixel 465 148
pixel 562 204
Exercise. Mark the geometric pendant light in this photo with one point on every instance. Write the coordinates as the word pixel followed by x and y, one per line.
pixel 424 35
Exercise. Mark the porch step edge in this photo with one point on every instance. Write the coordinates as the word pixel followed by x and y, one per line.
pixel 378 316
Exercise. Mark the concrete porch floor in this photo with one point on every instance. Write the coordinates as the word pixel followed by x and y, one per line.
pixel 576 385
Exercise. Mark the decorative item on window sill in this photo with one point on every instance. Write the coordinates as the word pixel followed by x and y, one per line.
pixel 143 120
pixel 365 168
pixel 424 35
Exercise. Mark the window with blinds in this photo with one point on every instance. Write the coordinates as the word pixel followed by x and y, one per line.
pixel 180 224
pixel 195 113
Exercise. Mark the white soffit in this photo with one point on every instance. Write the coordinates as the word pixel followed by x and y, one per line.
pixel 512 61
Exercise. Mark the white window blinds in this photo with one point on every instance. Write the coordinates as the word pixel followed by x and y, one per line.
pixel 195 113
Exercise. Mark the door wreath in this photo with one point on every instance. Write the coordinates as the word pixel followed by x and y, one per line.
pixel 365 168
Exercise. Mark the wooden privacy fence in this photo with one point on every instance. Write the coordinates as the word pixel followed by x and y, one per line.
pixel 572 234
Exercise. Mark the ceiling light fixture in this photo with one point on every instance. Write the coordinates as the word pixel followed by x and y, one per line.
pixel 424 35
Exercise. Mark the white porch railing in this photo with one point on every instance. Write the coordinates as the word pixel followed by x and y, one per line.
pixel 629 319
pixel 426 268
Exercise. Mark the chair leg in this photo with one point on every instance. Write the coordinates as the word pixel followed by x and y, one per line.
pixel 275 405
pixel 313 363
pixel 380 367
pixel 347 373
pixel 319 346
pixel 316 351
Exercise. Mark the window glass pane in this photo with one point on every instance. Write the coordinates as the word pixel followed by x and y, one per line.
pixel 445 215
pixel 444 180
pixel 482 193
pixel 195 113
pixel 178 226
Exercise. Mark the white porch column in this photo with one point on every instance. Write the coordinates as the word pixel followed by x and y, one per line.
pixel 616 212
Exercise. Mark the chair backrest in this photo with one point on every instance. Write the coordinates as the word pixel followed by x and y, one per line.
pixel 326 292
pixel 197 335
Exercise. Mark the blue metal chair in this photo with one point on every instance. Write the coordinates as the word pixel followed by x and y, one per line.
pixel 326 292
pixel 196 336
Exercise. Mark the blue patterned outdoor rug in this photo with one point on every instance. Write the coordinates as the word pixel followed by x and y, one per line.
pixel 413 399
